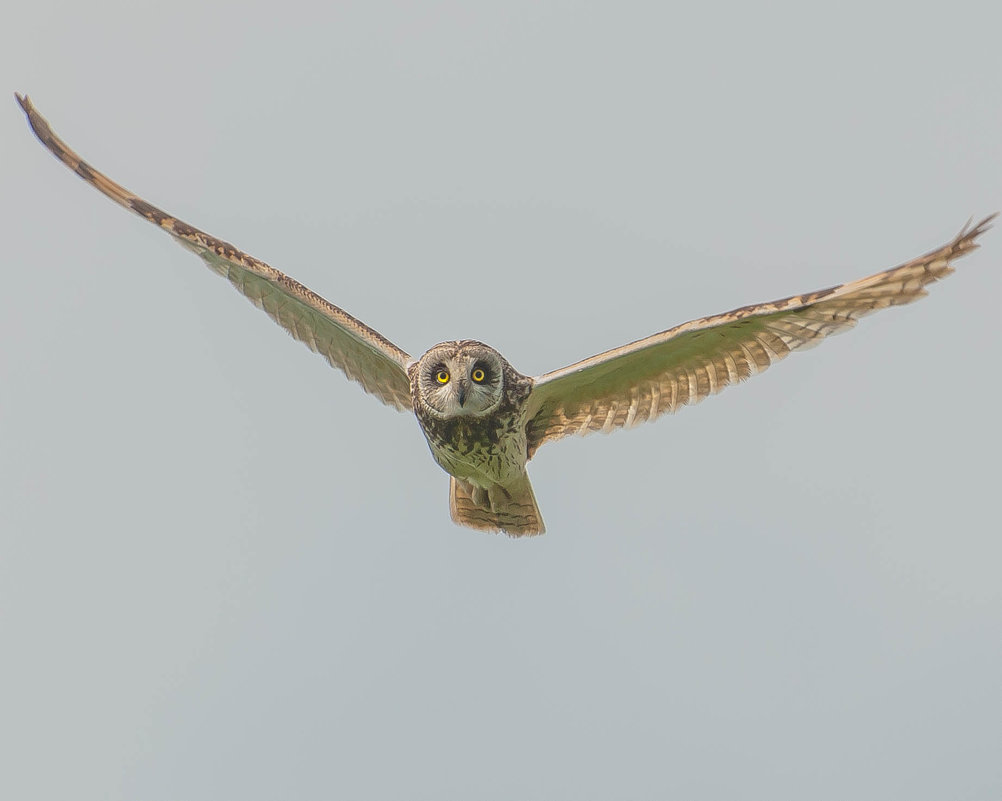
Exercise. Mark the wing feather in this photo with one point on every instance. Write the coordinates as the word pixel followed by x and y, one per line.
pixel 645 379
pixel 362 353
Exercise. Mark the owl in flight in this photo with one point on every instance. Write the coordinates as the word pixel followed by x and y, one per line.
pixel 482 418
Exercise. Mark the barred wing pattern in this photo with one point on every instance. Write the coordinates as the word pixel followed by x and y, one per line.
pixel 363 354
pixel 645 379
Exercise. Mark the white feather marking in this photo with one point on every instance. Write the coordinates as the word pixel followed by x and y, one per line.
pixel 732 368
pixel 610 418
pixel 631 414
pixel 711 375
pixel 753 368
pixel 693 387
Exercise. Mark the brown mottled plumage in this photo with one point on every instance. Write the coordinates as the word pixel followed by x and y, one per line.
pixel 483 419
pixel 478 439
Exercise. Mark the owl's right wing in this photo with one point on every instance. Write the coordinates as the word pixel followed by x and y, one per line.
pixel 645 379
pixel 362 353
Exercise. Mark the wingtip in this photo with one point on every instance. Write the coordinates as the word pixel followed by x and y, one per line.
pixel 39 125
pixel 29 110
pixel 988 221
pixel 972 232
pixel 967 239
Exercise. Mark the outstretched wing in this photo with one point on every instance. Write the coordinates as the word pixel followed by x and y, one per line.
pixel 363 354
pixel 645 379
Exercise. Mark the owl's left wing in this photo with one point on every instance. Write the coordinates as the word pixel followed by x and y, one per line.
pixel 362 353
pixel 645 379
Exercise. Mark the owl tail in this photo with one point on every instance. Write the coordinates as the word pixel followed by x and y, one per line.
pixel 510 508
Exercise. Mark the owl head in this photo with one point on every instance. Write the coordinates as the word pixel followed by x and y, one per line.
pixel 461 379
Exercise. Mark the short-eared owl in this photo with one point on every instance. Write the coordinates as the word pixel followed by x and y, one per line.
pixel 482 418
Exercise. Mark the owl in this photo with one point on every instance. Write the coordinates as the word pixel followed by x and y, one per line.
pixel 483 419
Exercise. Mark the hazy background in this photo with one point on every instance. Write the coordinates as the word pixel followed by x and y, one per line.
pixel 226 573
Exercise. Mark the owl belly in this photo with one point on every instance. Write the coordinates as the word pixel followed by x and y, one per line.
pixel 482 452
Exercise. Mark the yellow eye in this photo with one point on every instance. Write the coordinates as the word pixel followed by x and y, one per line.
pixel 478 375
pixel 442 376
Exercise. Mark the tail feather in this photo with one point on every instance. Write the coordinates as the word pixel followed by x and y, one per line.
pixel 511 508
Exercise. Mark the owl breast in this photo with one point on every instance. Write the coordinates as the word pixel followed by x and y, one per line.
pixel 484 451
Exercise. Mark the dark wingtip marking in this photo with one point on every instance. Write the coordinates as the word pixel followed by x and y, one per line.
pixel 84 170
pixel 149 211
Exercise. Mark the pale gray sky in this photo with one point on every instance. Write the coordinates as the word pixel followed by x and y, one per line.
pixel 227 573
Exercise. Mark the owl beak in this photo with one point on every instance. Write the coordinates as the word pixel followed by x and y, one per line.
pixel 463 388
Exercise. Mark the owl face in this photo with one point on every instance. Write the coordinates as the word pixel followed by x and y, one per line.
pixel 461 379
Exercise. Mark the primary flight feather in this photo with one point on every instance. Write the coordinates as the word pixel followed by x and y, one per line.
pixel 482 418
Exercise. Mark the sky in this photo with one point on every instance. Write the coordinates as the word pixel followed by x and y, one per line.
pixel 226 572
